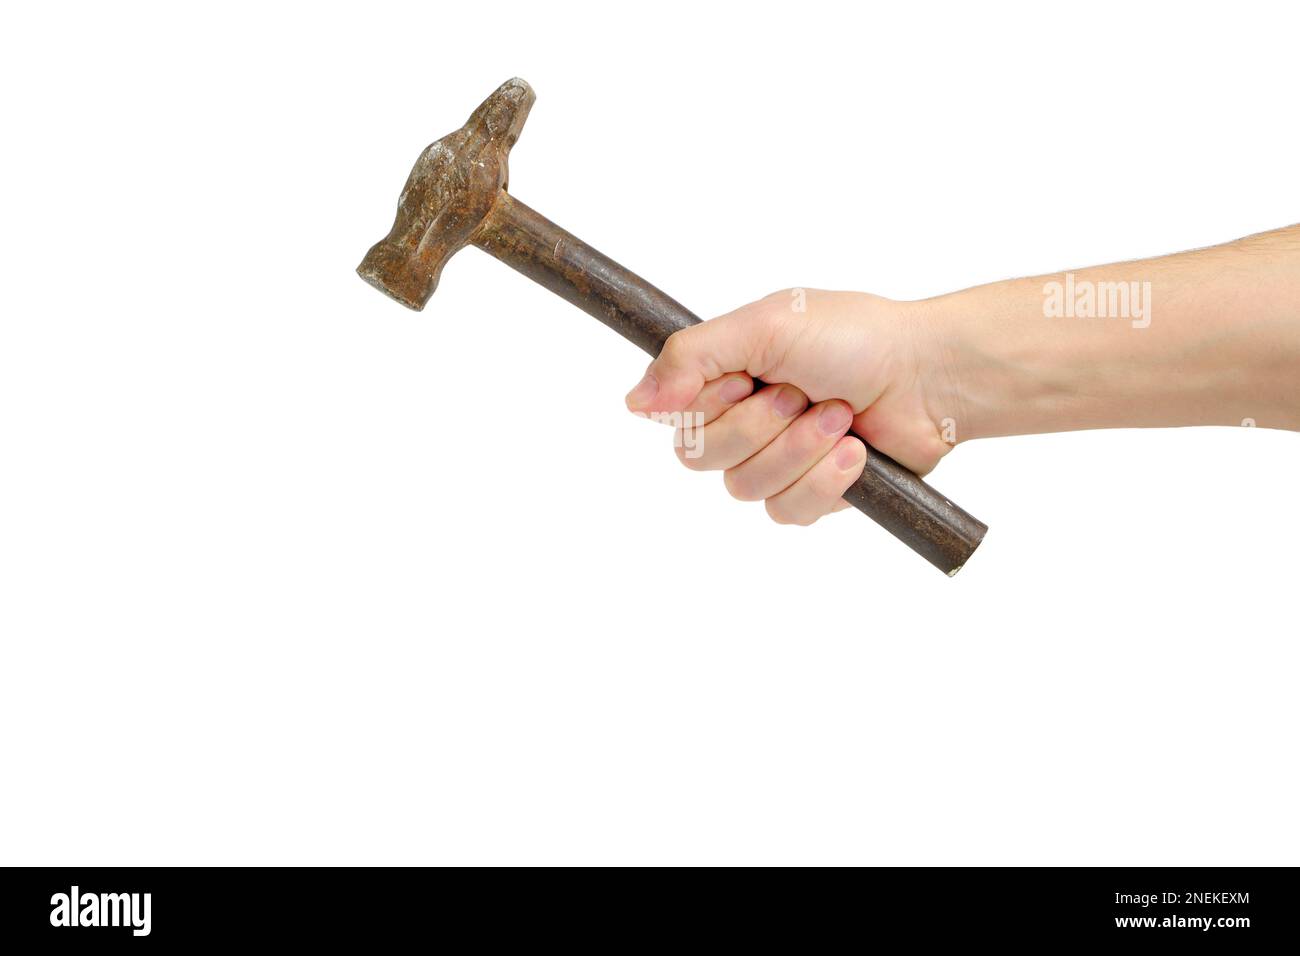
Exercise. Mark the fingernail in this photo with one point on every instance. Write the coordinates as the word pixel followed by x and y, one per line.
pixel 847 456
pixel 733 390
pixel 789 402
pixel 645 390
pixel 834 418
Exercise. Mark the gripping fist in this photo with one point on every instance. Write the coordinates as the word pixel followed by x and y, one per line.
pixel 833 361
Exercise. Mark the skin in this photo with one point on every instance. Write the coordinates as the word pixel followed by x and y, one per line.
pixel 1220 345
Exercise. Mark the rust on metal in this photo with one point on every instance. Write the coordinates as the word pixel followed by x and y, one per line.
pixel 457 195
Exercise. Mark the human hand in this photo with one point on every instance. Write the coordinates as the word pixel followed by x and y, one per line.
pixel 832 360
pixel 990 360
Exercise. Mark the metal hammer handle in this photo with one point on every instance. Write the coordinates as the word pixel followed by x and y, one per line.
pixel 888 493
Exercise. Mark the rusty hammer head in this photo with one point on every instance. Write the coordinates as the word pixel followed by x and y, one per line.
pixel 450 191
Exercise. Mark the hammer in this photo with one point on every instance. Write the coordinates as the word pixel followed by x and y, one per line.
pixel 456 195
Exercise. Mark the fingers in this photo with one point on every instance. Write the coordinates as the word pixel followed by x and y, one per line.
pixel 918 449
pixel 702 353
pixel 719 395
pixel 820 490
pixel 745 429
pixel 773 446
pixel 716 398
pixel 791 454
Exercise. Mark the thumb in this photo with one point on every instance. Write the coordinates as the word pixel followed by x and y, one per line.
pixel 735 342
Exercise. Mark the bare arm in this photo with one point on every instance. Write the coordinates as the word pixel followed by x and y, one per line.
pixel 1209 337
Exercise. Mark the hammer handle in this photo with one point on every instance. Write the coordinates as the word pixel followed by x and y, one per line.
pixel 888 493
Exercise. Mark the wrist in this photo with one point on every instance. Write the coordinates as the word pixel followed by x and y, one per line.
pixel 994 366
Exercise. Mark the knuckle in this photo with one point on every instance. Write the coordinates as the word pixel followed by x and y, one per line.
pixel 772 310
pixel 779 512
pixel 826 489
pixel 828 485
pixel 756 320
pixel 738 486
pixel 693 462
pixel 807 440
pixel 776 511
pixel 753 432
pixel 676 347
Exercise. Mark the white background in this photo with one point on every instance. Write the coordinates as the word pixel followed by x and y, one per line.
pixel 289 574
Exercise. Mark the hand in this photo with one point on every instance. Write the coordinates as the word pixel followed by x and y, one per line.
pixel 916 377
pixel 859 359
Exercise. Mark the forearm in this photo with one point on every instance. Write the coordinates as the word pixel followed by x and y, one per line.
pixel 1209 337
